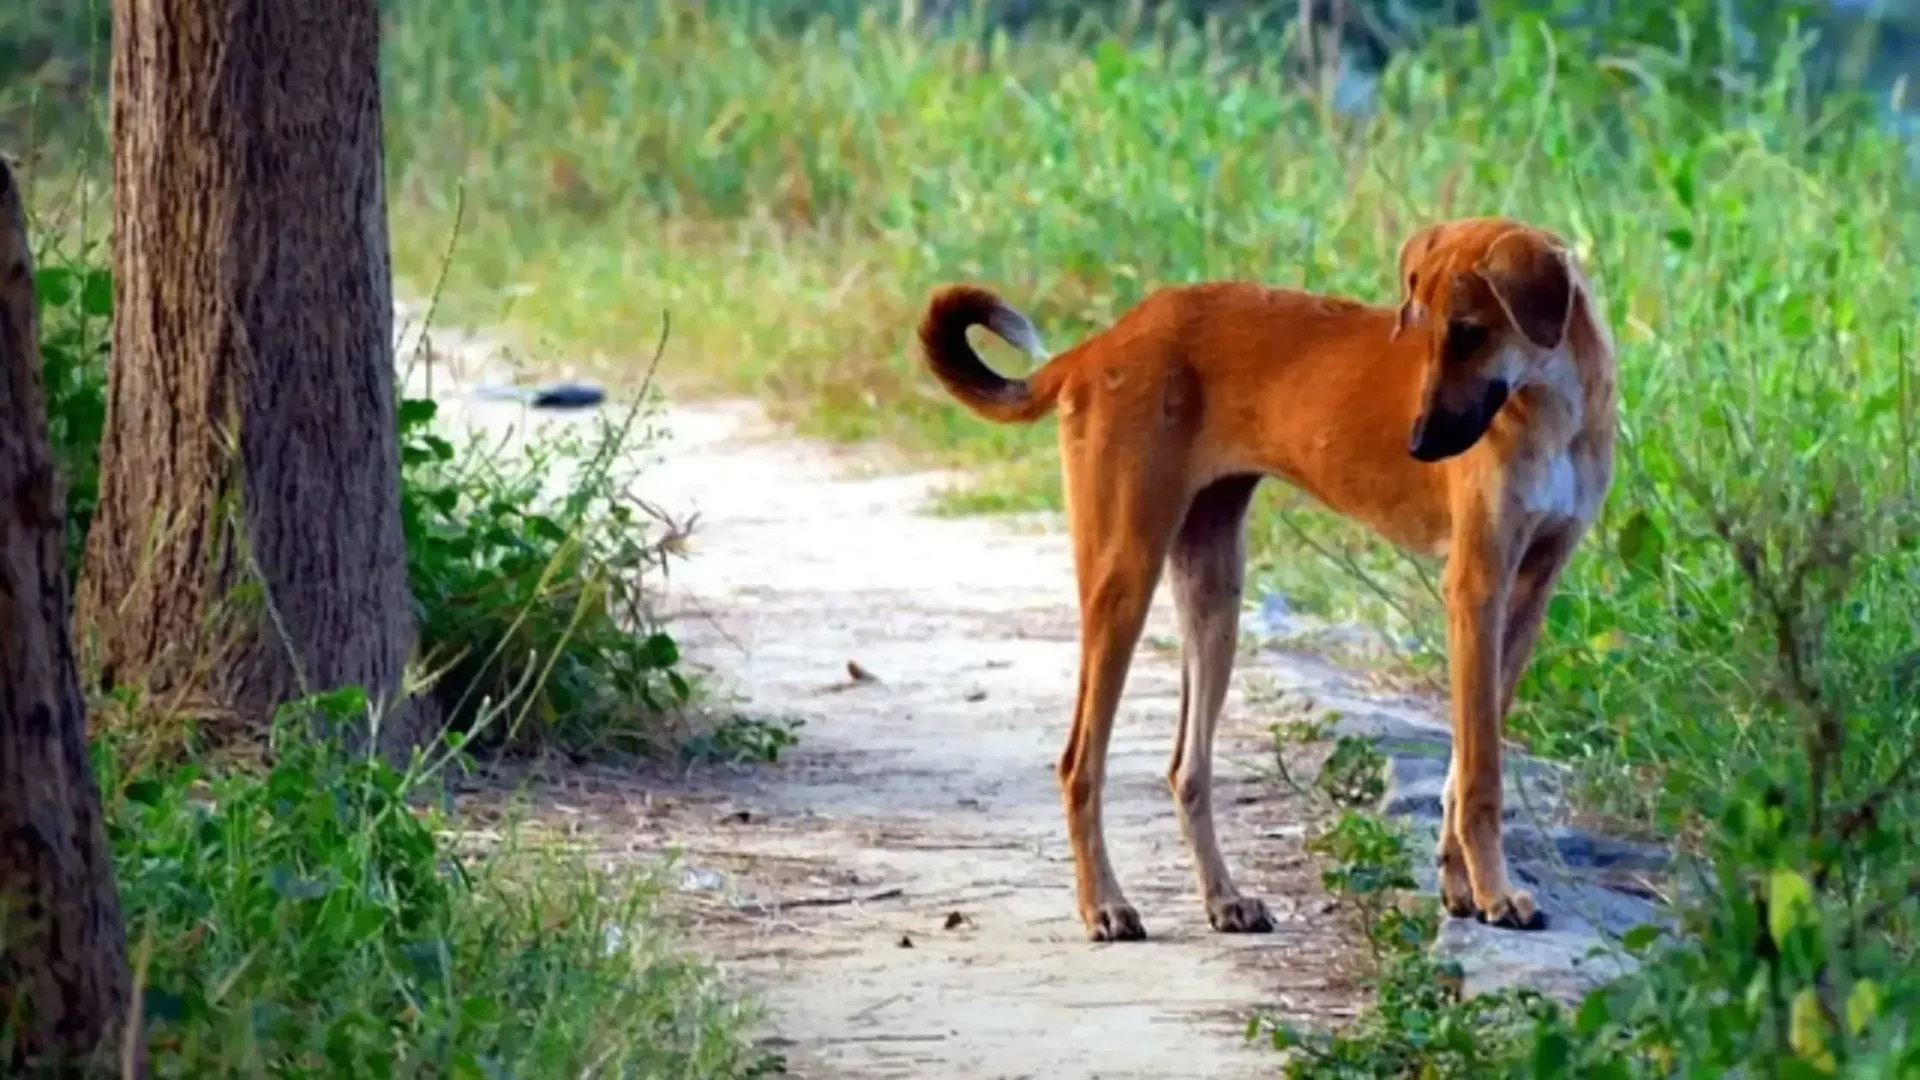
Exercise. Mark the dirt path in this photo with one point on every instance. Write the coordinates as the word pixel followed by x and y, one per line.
pixel 937 781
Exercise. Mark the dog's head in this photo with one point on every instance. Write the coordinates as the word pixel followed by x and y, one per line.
pixel 1494 297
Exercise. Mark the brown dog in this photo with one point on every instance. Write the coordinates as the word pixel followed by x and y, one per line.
pixel 1475 422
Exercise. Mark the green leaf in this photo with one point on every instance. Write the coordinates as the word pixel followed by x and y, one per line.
pixel 53 286
pixel 417 411
pixel 1110 63
pixel 1789 897
pixel 96 294
pixel 1640 938
pixel 145 792
pixel 346 703
pixel 1796 317
pixel 480 1009
pixel 543 527
pixel 366 923
pixel 1863 1004
pixel 1681 238
pixel 660 651
pixel 1551 1055
pixel 1641 544
pixel 1595 1011
pixel 1682 180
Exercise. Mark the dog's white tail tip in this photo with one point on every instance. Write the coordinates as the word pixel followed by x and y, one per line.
pixel 1016 330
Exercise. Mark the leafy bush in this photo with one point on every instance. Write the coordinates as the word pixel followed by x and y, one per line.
pixel 538 602
pixel 75 301
pixel 310 920
pixel 1798 902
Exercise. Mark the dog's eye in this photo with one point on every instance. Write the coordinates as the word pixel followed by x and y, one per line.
pixel 1464 339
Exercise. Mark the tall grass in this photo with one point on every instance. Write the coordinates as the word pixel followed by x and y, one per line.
pixel 1729 659
pixel 795 193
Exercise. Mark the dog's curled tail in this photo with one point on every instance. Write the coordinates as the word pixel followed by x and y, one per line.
pixel 943 341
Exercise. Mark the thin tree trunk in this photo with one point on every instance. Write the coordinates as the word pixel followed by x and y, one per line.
pixel 248 544
pixel 63 965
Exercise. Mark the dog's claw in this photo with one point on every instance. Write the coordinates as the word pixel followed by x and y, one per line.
pixel 1514 912
pixel 1115 922
pixel 1240 915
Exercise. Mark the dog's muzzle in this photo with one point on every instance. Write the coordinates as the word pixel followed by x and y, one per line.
pixel 1442 433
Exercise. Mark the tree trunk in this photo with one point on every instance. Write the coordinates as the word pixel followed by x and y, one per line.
pixel 248 547
pixel 63 965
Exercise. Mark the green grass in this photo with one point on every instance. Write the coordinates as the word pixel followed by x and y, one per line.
pixel 793 196
pixel 1729 658
pixel 311 918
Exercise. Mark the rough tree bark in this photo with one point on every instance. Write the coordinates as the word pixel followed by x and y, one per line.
pixel 63 966
pixel 248 544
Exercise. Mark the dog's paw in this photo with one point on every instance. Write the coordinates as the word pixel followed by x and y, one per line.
pixel 1115 922
pixel 1514 911
pixel 1456 887
pixel 1240 915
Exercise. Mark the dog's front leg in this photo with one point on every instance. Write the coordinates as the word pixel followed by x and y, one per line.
pixel 1477 583
pixel 1533 586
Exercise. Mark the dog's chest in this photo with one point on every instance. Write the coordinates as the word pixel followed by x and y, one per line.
pixel 1556 479
pixel 1551 488
pixel 1556 486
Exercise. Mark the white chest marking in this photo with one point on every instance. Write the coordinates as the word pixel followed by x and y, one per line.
pixel 1553 490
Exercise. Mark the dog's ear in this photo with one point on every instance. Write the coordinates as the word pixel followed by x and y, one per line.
pixel 1413 311
pixel 1533 284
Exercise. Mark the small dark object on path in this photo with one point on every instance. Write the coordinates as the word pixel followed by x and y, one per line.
pixel 559 395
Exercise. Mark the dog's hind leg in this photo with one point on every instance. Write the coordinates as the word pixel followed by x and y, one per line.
pixel 1206 568
pixel 1122 511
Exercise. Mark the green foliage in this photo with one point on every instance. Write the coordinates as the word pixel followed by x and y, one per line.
pixel 1419 1024
pixel 310 920
pixel 536 601
pixel 53 53
pixel 1353 774
pixel 743 739
pixel 75 302
pixel 1796 950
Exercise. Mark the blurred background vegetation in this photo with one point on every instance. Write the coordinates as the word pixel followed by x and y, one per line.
pixel 790 179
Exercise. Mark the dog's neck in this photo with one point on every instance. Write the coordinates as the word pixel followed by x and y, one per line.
pixel 1549 399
